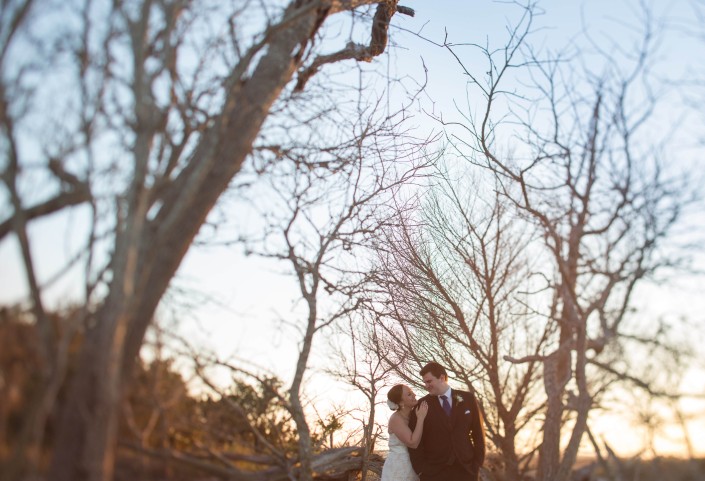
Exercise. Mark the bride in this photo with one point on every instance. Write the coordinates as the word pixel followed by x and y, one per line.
pixel 402 400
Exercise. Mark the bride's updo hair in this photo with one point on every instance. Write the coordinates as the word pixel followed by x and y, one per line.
pixel 394 397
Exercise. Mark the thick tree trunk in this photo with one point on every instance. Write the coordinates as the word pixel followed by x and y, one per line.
pixel 85 440
pixel 509 454
pixel 582 406
pixel 550 451
pixel 558 368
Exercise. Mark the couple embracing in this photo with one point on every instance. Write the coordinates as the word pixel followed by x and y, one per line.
pixel 441 438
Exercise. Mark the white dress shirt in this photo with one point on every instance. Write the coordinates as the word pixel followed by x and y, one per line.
pixel 448 397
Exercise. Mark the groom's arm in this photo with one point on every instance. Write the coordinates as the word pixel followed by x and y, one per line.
pixel 477 431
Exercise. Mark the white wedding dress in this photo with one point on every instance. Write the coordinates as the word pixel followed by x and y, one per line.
pixel 397 466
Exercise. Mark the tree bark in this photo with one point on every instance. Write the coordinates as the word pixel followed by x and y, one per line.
pixel 85 440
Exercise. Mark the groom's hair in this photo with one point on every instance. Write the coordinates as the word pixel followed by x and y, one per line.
pixel 434 368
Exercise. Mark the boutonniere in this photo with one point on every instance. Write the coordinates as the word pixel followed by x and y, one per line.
pixel 457 399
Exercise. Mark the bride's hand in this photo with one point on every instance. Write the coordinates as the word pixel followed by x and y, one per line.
pixel 421 410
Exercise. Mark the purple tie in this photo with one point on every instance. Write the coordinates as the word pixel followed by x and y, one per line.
pixel 445 404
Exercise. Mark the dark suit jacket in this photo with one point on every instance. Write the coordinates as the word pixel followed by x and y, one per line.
pixel 445 440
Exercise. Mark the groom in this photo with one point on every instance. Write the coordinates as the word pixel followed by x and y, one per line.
pixel 452 446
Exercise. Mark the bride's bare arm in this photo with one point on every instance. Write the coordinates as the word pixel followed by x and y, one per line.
pixel 398 425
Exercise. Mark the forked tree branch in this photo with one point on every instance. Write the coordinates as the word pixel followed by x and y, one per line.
pixel 359 52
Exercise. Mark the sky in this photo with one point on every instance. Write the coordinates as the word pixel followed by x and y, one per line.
pixel 244 298
pixel 462 19
pixel 262 299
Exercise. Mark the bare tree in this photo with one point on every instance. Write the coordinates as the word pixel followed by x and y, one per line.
pixel 155 110
pixel 586 172
pixel 576 165
pixel 454 281
pixel 320 220
pixel 360 366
